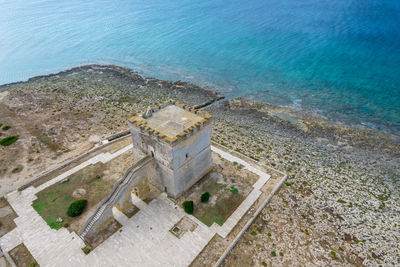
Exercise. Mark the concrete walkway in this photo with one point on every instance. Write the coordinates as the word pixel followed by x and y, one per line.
pixel 225 229
pixel 144 240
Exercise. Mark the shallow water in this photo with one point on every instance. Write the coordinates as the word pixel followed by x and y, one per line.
pixel 338 58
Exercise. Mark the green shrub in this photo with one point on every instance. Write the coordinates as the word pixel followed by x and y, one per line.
pixel 76 207
pixel 86 250
pixel 9 140
pixel 32 264
pixel 45 139
pixel 264 263
pixel 17 169
pixel 205 197
pixel 273 253
pixel 188 206
pixel 234 190
pixel 333 253
pixel 6 127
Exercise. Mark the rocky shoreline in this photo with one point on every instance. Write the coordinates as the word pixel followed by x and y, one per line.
pixel 340 206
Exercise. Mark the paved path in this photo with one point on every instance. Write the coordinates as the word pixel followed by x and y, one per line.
pixel 34 232
pixel 228 225
pixel 143 240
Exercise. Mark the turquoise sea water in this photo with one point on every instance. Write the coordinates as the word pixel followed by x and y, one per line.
pixel 340 58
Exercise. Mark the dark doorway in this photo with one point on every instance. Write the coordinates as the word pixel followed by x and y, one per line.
pixel 152 154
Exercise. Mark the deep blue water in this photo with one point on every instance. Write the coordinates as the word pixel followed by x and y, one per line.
pixel 340 58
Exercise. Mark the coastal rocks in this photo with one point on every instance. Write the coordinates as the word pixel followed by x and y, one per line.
pixel 339 206
pixel 331 194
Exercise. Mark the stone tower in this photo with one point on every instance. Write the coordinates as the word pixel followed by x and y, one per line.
pixel 177 136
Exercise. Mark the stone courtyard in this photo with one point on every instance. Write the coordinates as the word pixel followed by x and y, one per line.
pixel 145 239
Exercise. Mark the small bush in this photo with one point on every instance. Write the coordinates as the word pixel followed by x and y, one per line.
pixel 205 197
pixel 5 128
pixel 288 184
pixel 9 140
pixel 273 253
pixel 264 263
pixel 76 207
pixel 32 264
pixel 253 233
pixel 66 225
pixel 86 250
pixel 188 206
pixel 333 253
pixel 17 169
pixel 45 139
pixel 234 190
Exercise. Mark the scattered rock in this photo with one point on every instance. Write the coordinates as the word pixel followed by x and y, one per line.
pixel 78 193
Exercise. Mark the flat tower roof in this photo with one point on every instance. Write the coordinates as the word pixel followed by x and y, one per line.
pixel 170 120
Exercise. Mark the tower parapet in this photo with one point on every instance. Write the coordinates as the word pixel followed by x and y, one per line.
pixel 178 137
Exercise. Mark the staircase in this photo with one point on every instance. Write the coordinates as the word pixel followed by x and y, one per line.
pixel 110 200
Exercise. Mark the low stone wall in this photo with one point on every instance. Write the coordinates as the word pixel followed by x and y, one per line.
pixel 258 211
pixel 118 135
pixel 112 139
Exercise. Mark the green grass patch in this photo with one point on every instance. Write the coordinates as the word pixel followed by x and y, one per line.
pixel 253 233
pixel 53 202
pixel 219 212
pixel 288 184
pixel 9 140
pixel 6 127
